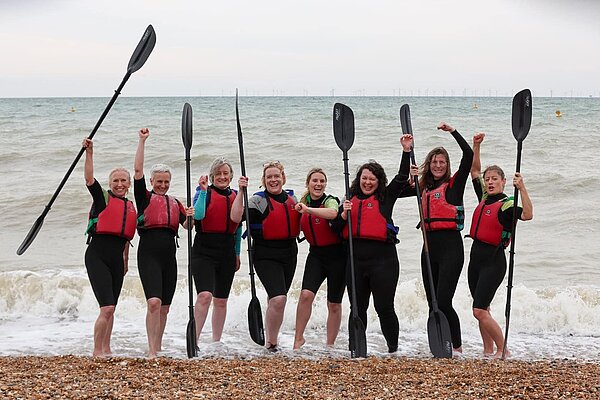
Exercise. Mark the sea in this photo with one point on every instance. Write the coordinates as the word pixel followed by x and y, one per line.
pixel 46 302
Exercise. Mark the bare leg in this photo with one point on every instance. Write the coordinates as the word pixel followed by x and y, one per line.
pixel 103 322
pixel 488 342
pixel 303 312
pixel 219 314
pixel 334 320
pixel 153 325
pixel 275 309
pixel 201 311
pixel 164 311
pixel 491 328
pixel 106 344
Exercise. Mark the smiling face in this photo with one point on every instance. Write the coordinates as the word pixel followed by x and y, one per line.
pixel 317 182
pixel 494 181
pixel 368 182
pixel 221 177
pixel 273 180
pixel 119 182
pixel 161 181
pixel 438 166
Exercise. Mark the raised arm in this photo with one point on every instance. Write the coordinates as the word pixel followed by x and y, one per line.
pixel 527 213
pixel 139 154
pixel 476 165
pixel 88 170
pixel 237 208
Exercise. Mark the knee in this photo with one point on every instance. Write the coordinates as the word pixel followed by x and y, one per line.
pixel 277 303
pixel 107 311
pixel 219 303
pixel 204 299
pixel 480 313
pixel 154 304
pixel 334 308
pixel 306 297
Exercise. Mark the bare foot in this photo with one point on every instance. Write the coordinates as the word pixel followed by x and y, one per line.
pixel 488 355
pixel 499 354
pixel 299 343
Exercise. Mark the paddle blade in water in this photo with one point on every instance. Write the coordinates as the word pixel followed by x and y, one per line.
pixel 190 336
pixel 186 126
pixel 359 338
pixel 142 51
pixel 343 126
pixel 521 114
pixel 255 322
pixel 32 234
pixel 438 332
pixel 405 119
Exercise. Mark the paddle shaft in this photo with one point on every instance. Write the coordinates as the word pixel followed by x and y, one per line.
pixel 350 244
pixel 511 263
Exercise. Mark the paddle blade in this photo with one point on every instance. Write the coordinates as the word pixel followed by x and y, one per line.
pixel 358 335
pixel 521 114
pixel 438 332
pixel 343 126
pixel 32 234
pixel 405 119
pixel 186 126
pixel 255 322
pixel 142 51
pixel 190 336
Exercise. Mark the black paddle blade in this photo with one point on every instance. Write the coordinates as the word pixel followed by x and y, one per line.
pixel 190 336
pixel 142 51
pixel 358 338
pixel 186 127
pixel 521 114
pixel 438 332
pixel 405 119
pixel 343 126
pixel 32 234
pixel 255 322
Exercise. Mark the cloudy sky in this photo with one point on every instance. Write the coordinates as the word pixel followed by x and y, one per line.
pixel 310 47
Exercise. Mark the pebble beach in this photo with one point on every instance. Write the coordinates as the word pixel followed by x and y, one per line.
pixel 280 377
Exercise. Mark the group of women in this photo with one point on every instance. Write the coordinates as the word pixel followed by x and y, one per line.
pixel 276 220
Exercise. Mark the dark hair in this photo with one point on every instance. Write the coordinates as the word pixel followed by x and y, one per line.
pixel 379 173
pixel 426 180
pixel 494 168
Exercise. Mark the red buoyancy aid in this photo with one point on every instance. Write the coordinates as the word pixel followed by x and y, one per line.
pixel 317 230
pixel 486 226
pixel 438 214
pixel 217 217
pixel 162 212
pixel 282 221
pixel 118 218
pixel 367 220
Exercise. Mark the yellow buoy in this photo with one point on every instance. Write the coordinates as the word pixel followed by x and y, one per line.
pixel 475 106
pixel 558 114
pixel 72 109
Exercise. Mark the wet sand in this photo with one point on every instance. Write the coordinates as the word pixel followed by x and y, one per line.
pixel 280 377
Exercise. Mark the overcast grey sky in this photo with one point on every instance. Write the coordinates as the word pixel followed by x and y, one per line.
pixel 266 47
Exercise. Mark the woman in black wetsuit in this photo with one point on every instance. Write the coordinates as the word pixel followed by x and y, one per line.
pixel 443 213
pixel 275 226
pixel 111 227
pixel 216 245
pixel 490 231
pixel 374 240
pixel 326 258
pixel 159 218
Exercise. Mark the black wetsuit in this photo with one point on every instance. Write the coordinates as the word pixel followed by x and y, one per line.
pixel 325 262
pixel 213 258
pixel 487 263
pixel 104 256
pixel 376 264
pixel 157 264
pixel 446 250
pixel 274 260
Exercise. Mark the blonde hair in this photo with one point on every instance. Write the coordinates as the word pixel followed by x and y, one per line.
pixel 305 195
pixel 272 164
pixel 216 165
pixel 119 169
